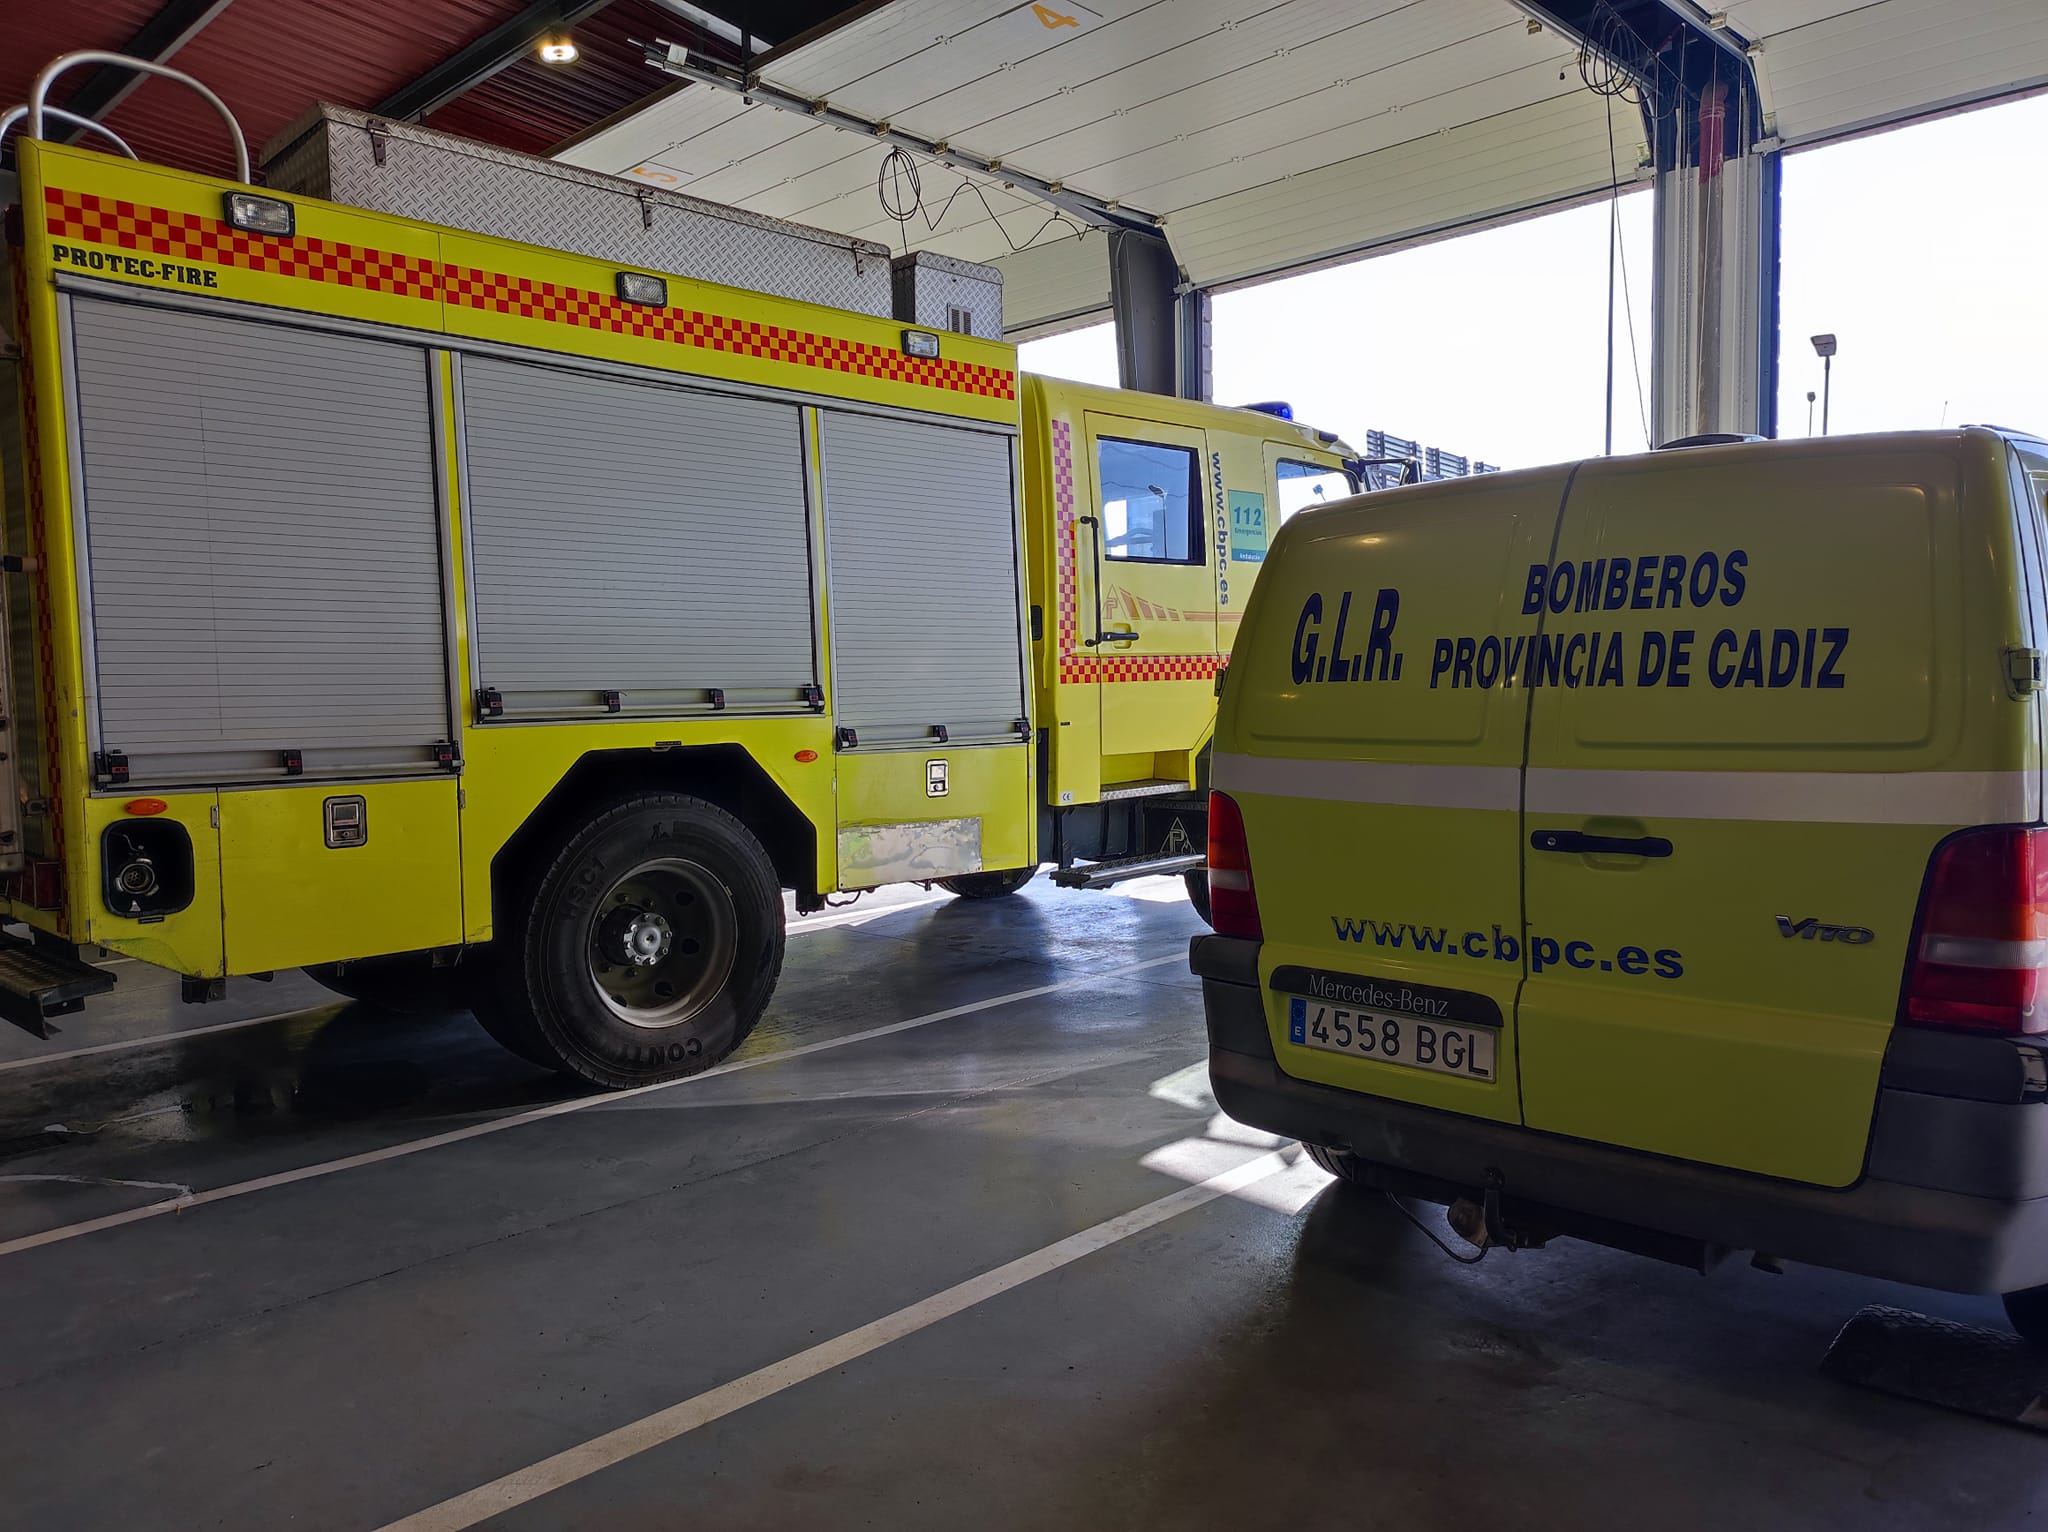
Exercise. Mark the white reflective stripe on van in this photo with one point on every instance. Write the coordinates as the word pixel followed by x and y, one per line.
pixel 1795 797
pixel 1422 787
pixel 1792 797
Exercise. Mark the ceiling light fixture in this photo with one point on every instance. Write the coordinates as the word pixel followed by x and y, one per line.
pixel 558 50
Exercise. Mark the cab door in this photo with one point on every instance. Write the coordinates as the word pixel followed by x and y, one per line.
pixel 1154 623
pixel 1746 732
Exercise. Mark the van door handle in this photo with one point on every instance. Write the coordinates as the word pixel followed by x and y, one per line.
pixel 1577 842
pixel 1125 636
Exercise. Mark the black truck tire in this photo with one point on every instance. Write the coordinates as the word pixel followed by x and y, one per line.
pixel 645 950
pixel 2027 1312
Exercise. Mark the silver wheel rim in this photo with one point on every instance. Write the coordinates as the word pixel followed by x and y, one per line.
pixel 663 942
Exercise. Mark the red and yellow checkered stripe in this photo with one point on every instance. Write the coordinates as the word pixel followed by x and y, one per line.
pixel 1075 665
pixel 209 242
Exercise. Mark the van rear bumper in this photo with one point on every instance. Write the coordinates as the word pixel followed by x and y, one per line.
pixel 1955 1194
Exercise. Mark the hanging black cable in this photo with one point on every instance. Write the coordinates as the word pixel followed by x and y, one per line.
pixel 900 189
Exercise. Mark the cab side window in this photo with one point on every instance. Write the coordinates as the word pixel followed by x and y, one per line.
pixel 1151 502
pixel 1302 485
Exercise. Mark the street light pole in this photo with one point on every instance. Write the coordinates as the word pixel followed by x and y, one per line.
pixel 1810 397
pixel 1824 348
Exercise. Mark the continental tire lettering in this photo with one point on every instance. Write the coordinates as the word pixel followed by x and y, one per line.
pixel 678 1052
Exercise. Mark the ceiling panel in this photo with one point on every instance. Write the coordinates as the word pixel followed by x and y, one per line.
pixel 1276 133
pixel 1191 168
pixel 1057 283
pixel 1536 156
pixel 1902 58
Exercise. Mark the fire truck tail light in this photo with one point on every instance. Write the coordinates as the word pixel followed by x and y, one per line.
pixel 260 215
pixel 637 287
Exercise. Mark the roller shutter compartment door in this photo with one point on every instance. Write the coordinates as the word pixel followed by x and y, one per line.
pixel 921 526
pixel 636 538
pixel 263 545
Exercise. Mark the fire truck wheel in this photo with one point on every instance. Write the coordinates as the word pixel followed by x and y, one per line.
pixel 498 999
pixel 652 942
pixel 406 982
pixel 2027 1312
pixel 1197 880
pixel 988 885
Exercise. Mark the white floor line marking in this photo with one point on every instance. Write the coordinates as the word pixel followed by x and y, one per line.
pixel 163 1038
pixel 601 1452
pixel 149 1186
pixel 541 1114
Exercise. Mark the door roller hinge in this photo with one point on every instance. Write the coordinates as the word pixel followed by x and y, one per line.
pixel 2023 671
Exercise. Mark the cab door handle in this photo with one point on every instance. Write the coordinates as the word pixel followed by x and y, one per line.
pixel 1577 842
pixel 1115 636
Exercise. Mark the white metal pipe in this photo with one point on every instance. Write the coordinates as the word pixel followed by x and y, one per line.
pixel 14 114
pixel 39 95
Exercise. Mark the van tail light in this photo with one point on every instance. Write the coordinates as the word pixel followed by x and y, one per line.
pixel 1980 953
pixel 1233 903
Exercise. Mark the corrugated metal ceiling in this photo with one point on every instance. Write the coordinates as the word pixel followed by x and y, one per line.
pixel 1269 136
pixel 272 59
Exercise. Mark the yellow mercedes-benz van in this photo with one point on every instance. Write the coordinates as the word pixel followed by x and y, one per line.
pixel 1652 850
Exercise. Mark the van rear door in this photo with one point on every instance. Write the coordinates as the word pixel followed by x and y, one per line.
pixel 1372 738
pixel 1768 685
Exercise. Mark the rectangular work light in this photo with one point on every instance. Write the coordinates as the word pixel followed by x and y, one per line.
pixel 920 343
pixel 260 215
pixel 637 287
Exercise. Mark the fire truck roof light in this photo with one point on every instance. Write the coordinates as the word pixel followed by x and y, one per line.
pixel 636 287
pixel 920 343
pixel 260 215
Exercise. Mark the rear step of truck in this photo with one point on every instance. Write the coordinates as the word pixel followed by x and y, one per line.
pixel 37 983
pixel 1102 874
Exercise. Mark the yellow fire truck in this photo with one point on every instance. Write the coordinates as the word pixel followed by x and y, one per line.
pixel 473 622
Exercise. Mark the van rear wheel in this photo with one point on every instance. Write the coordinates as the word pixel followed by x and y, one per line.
pixel 1341 1163
pixel 647 949
pixel 2027 1312
pixel 988 885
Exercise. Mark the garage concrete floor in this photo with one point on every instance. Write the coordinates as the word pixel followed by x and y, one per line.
pixel 308 1343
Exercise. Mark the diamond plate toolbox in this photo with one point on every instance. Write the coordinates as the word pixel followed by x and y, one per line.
pixel 412 172
pixel 942 293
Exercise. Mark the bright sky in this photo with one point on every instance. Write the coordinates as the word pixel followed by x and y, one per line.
pixel 1921 249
